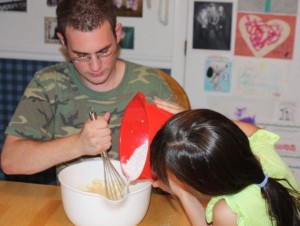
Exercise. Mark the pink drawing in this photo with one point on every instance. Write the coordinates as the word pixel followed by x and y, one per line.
pixel 262 34
pixel 265 35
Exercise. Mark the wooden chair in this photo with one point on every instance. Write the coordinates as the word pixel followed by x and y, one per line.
pixel 179 93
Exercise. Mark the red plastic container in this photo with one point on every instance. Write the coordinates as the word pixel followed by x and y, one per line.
pixel 140 123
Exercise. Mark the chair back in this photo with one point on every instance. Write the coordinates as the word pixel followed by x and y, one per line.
pixel 179 93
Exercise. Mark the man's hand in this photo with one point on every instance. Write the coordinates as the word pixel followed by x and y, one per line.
pixel 95 136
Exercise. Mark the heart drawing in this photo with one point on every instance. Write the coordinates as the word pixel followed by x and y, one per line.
pixel 262 37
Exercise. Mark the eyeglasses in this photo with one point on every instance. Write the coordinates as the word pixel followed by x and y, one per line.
pixel 99 56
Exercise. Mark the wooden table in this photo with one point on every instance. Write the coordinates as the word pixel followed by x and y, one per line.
pixel 36 205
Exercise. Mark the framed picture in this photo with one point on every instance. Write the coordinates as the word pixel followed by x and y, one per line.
pixel 52 2
pixel 12 5
pixel 50 30
pixel 127 38
pixel 129 8
pixel 212 25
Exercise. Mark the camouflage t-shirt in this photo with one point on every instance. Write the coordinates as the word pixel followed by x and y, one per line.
pixel 56 102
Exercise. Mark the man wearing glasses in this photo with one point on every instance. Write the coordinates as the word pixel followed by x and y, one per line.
pixel 50 126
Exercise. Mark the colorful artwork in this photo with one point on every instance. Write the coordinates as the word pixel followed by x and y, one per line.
pixel 241 115
pixel 129 8
pixel 218 76
pixel 265 35
pixel 261 78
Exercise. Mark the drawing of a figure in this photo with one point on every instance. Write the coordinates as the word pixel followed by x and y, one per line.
pixel 286 114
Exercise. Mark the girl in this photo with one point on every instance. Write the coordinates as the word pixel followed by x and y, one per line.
pixel 221 176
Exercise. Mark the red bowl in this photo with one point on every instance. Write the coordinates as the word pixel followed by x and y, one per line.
pixel 140 123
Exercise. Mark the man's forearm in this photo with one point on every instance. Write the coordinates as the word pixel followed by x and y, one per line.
pixel 20 156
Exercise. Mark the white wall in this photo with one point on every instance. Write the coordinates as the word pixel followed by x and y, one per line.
pixel 22 34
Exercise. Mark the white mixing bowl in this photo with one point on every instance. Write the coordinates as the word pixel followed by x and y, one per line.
pixel 89 209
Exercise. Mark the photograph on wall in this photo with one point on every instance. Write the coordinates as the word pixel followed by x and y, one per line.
pixel 218 75
pixel 129 8
pixel 265 35
pixel 12 5
pixel 50 30
pixel 52 2
pixel 269 6
pixel 212 25
pixel 127 38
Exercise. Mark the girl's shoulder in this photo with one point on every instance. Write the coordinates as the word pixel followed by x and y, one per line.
pixel 223 215
pixel 247 128
pixel 247 205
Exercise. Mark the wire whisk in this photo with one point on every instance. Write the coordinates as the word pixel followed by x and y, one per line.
pixel 116 187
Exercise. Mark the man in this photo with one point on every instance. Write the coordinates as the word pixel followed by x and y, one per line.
pixel 50 126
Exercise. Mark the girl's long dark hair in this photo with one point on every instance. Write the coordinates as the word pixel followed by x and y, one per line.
pixel 210 153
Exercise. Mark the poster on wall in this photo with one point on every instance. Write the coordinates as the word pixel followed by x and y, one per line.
pixel 265 35
pixel 218 74
pixel 17 5
pixel 212 25
pixel 129 8
pixel 264 78
pixel 50 30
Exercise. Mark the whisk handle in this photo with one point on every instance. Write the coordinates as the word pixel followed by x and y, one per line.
pixel 92 114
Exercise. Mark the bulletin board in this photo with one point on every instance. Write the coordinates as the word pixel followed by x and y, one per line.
pixel 249 67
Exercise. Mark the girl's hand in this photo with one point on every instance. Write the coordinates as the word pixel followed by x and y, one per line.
pixel 188 198
pixel 159 184
pixel 169 106
pixel 176 188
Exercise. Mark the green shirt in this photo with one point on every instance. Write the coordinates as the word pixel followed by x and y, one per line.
pixel 56 102
pixel 249 205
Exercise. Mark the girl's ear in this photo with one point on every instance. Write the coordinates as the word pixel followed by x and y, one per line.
pixel 119 31
pixel 61 39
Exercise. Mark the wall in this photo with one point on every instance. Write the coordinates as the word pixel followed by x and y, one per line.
pixel 256 79
pixel 24 34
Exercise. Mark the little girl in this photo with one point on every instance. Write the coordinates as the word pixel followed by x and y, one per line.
pixel 224 172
